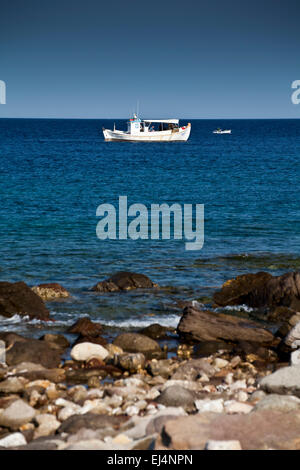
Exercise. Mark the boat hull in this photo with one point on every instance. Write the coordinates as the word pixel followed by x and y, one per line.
pixel 222 132
pixel 181 135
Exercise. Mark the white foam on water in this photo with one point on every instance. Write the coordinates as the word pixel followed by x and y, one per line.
pixel 237 308
pixel 164 320
pixel 19 321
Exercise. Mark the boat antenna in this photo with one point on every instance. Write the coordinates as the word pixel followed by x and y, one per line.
pixel 137 108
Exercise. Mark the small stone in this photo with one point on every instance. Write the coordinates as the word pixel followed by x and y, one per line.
pixel 220 363
pixel 131 362
pixel 223 445
pixel 176 396
pixel 132 410
pixel 13 440
pixel 214 406
pixel 285 380
pixel 293 337
pixel 12 385
pixel 238 384
pixel 257 395
pixel 17 414
pixel 121 439
pixel 235 361
pixel 241 396
pixel 87 351
pixel 94 382
pixel 113 349
pixel 284 403
pixel 295 358
pixel 232 406
pixel 48 424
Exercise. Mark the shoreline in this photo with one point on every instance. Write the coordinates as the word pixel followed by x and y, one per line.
pixel 145 389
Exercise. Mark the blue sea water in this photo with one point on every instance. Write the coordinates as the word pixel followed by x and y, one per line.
pixel 55 173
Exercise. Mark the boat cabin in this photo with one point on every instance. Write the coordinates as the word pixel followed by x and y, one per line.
pixel 136 125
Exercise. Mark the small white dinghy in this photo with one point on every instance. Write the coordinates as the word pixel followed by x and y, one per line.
pixel 221 131
pixel 150 130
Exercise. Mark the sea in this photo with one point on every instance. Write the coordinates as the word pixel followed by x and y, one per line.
pixel 54 173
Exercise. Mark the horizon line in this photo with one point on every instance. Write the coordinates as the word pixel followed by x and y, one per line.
pixel 181 118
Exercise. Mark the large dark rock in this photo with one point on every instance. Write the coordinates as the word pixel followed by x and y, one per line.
pixel 86 327
pixel 199 325
pixel 155 331
pixel 18 298
pixel 56 341
pixel 88 331
pixel 124 281
pixel 32 350
pixel 135 342
pixel 261 290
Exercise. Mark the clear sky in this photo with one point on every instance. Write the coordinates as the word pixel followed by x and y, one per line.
pixel 186 59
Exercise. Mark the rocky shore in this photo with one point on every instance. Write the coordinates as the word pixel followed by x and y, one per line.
pixel 218 381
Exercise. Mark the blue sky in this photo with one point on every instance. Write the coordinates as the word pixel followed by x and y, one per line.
pixel 186 59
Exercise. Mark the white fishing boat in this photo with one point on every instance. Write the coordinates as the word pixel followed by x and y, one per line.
pixel 221 131
pixel 150 130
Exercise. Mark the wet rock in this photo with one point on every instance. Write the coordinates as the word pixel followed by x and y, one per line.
pixel 283 403
pixel 91 339
pixel 85 327
pixel 261 290
pixel 285 380
pixel 124 281
pixel 279 314
pixel 135 342
pixel 55 375
pixel 155 331
pixel 177 396
pixel 11 338
pixel 247 349
pixel 50 291
pixel 82 376
pixel 258 430
pixel 201 325
pixel 18 298
pixel 86 351
pixel 33 350
pixel 205 349
pixel 58 342
pixel 91 421
pixel 132 362
pixel 16 415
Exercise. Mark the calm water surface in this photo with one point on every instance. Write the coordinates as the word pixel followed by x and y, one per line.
pixel 55 173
